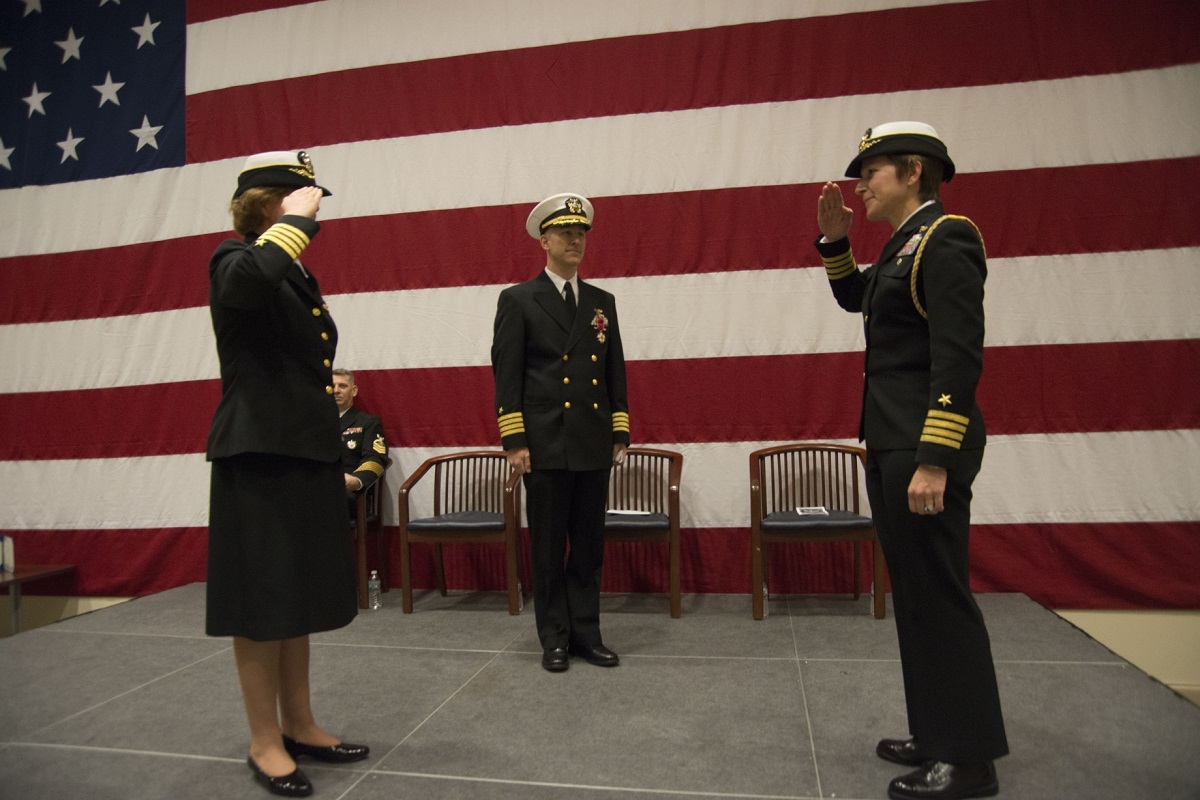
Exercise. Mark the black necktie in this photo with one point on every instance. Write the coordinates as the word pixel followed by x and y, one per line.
pixel 570 295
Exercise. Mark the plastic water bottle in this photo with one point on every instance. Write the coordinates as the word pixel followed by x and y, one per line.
pixel 373 589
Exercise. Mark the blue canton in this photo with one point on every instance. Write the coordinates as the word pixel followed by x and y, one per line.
pixel 90 89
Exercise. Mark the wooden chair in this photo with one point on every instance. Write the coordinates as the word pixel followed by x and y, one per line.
pixel 476 499
pixel 792 476
pixel 366 524
pixel 646 486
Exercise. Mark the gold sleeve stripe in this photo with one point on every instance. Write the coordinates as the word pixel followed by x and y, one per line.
pixel 621 421
pixel 944 428
pixel 934 439
pixel 288 238
pixel 945 425
pixel 512 423
pixel 841 266
pixel 935 413
pixel 370 466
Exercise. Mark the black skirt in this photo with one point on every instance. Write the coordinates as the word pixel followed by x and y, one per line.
pixel 279 548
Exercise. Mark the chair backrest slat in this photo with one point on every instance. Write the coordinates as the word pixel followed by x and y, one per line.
pixel 470 483
pixel 813 475
pixel 641 483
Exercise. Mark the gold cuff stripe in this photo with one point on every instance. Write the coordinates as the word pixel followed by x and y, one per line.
pixel 947 415
pixel 943 433
pixel 841 266
pixel 512 423
pixel 955 444
pixel 621 421
pixel 288 238
pixel 370 466
pixel 945 425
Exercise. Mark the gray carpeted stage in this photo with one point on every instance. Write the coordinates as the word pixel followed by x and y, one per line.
pixel 135 702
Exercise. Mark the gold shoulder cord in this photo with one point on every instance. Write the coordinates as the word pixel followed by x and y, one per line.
pixel 912 281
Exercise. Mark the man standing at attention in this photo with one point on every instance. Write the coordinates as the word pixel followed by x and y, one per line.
pixel 564 421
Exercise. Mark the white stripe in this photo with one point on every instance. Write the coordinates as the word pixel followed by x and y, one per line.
pixel 351 34
pixel 1030 301
pixel 1136 116
pixel 1044 478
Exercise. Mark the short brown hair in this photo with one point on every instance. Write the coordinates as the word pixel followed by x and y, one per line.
pixel 249 209
pixel 932 171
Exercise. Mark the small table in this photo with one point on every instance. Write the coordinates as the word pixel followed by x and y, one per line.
pixel 25 573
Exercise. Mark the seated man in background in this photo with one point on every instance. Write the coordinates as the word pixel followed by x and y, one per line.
pixel 364 449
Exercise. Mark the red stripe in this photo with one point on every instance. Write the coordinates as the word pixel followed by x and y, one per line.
pixel 641 74
pixel 1073 565
pixel 205 10
pixel 119 563
pixel 1091 564
pixel 1043 389
pixel 762 227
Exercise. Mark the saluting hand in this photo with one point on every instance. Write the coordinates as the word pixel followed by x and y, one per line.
pixel 833 215
pixel 302 202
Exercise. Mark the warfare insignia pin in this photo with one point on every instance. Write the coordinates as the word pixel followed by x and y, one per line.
pixel 600 323
pixel 351 443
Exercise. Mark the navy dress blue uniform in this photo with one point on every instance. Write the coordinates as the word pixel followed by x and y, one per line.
pixel 364 448
pixel 561 392
pixel 279 564
pixel 924 327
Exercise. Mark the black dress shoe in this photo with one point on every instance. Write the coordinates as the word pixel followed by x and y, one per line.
pixel 295 784
pixel 555 660
pixel 596 654
pixel 900 751
pixel 340 753
pixel 938 780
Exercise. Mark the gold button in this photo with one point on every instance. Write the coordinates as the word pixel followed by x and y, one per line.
pixel 316 312
pixel 595 382
pixel 327 363
pixel 325 336
pixel 596 406
pixel 328 390
pixel 567 404
pixel 565 357
pixel 593 358
pixel 566 380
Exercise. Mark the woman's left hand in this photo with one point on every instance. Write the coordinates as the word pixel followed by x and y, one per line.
pixel 926 490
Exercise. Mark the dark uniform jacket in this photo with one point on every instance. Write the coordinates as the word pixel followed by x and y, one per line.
pixel 924 334
pixel 560 383
pixel 275 341
pixel 364 449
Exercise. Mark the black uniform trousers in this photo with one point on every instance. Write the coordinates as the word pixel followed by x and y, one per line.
pixel 945 653
pixel 566 508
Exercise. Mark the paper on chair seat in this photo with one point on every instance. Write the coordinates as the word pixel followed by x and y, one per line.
pixel 810 510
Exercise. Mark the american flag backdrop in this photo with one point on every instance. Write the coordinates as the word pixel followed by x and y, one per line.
pixel 702 131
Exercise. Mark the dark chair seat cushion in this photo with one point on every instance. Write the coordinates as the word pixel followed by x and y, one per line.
pixel 461 520
pixel 845 520
pixel 636 522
